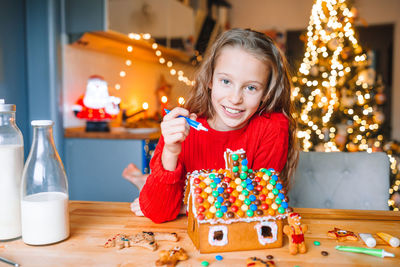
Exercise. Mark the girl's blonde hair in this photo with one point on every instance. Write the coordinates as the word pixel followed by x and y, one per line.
pixel 276 97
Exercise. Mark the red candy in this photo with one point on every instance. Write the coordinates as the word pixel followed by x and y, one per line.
pixel 199 199
pixel 200 216
pixel 262 197
pixel 196 180
pixel 257 179
pixel 259 187
pixel 232 199
pixel 264 206
pixel 229 190
pixel 227 180
pixel 234 208
pixel 202 209
pixel 197 190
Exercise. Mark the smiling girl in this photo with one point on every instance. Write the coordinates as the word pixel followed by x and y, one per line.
pixel 242 95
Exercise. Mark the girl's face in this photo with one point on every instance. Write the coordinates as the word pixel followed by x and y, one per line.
pixel 238 82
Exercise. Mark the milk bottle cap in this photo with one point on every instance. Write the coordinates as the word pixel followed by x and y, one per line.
pixel 6 107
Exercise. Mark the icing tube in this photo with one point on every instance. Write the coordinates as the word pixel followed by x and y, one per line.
pixel 370 251
pixel 368 240
pixel 391 240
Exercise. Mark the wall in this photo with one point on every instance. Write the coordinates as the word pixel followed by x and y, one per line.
pixel 294 15
pixel 138 86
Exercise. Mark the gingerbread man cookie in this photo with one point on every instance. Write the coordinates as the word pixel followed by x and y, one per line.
pixel 342 235
pixel 171 257
pixel 257 262
pixel 142 239
pixel 295 232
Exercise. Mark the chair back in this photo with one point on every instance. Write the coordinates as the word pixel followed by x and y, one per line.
pixel 341 180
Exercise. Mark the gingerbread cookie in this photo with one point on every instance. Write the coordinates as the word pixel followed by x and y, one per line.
pixel 257 262
pixel 342 235
pixel 142 239
pixel 171 257
pixel 295 232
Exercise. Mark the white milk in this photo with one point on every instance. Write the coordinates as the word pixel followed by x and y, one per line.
pixel 45 218
pixel 11 165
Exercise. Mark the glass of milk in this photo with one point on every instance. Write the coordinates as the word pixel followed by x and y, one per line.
pixel 44 194
pixel 11 165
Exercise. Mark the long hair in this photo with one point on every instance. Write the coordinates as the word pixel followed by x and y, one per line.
pixel 276 95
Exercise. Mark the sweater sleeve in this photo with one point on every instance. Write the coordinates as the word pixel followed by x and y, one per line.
pixel 273 149
pixel 161 197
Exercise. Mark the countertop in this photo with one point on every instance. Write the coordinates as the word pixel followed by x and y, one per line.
pixel 115 133
pixel 92 223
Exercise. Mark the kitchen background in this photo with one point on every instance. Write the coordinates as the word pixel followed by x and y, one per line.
pixel 49 49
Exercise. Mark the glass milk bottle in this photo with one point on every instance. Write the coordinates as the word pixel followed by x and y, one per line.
pixel 11 165
pixel 44 194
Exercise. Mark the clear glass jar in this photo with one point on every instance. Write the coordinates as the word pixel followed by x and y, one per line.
pixel 11 165
pixel 44 194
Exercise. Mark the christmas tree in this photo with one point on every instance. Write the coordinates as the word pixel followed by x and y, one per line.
pixel 338 96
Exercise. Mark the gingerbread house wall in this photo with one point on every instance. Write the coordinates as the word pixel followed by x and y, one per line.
pixel 241 235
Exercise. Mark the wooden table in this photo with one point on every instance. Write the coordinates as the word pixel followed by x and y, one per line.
pixel 92 223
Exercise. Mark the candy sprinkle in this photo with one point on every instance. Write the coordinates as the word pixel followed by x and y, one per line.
pixel 317 243
pixel 204 263
pixel 218 258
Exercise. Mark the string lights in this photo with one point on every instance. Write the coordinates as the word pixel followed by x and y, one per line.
pixel 334 91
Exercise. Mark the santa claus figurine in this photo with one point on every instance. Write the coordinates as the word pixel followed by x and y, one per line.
pixel 96 106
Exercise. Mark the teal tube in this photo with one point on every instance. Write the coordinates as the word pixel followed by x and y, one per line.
pixel 370 251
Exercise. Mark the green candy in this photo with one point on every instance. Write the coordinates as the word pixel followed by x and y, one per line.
pixel 235 169
pixel 219 214
pixel 272 181
pixel 215 193
pixel 281 210
pixel 278 201
pixel 264 170
pixel 243 175
pixel 268 173
pixel 212 176
pixel 204 263
pixel 250 171
pixel 249 213
pixel 245 168
pixel 275 191
pixel 247 201
pixel 235 157
pixel 213 185
pixel 243 184
pixel 245 192
pixel 217 205
pixel 317 243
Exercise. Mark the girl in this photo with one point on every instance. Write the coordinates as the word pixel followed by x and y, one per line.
pixel 242 95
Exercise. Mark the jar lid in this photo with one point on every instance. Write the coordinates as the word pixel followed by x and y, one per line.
pixel 7 107
pixel 42 123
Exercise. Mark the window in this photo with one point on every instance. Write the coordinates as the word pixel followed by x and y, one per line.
pixel 218 235
pixel 267 232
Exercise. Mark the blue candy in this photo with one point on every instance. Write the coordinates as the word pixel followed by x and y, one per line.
pixel 248 181
pixel 250 187
pixel 281 196
pixel 284 205
pixel 218 258
pixel 252 198
pixel 275 177
pixel 220 190
pixel 245 162
pixel 217 180
pixel 271 169
pixel 253 207
pixel 224 208
pixel 220 199
pixel 279 186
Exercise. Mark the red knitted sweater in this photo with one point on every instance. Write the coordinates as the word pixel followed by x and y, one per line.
pixel 265 140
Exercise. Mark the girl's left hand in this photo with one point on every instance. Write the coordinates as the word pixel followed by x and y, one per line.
pixel 135 208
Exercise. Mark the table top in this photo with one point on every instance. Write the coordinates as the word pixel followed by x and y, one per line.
pixel 92 223
pixel 115 133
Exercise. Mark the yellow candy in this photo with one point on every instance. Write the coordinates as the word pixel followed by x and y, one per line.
pixel 211 199
pixel 244 207
pixel 263 183
pixel 208 190
pixel 213 209
pixel 274 206
pixel 209 215
pixel 271 195
pixel 240 213
pixel 270 187
pixel 242 197
pixel 239 188
pixel 202 185
pixel 235 193
pixel 238 181
pixel 207 181
pixel 221 171
pixel 265 177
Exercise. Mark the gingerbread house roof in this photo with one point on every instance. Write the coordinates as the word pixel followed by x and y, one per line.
pixel 236 193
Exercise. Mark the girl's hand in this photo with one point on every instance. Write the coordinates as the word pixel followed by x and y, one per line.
pixel 174 130
pixel 135 208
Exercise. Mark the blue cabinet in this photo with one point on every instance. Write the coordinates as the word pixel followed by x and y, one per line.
pixel 94 167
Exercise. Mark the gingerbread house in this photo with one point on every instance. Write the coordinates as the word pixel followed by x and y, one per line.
pixel 235 208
